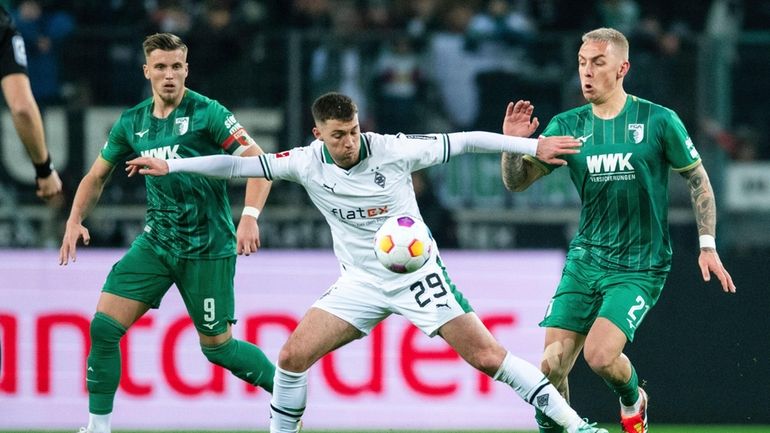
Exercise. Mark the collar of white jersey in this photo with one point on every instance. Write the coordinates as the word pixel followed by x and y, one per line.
pixel 363 151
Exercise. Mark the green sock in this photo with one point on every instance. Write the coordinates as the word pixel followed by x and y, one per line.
pixel 628 392
pixel 546 424
pixel 103 371
pixel 245 360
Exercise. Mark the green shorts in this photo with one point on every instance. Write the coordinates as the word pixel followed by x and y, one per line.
pixel 145 274
pixel 588 290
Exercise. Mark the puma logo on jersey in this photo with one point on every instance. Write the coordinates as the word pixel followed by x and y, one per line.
pixel 330 188
pixel 165 152
pixel 609 163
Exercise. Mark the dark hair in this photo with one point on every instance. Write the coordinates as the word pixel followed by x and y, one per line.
pixel 334 106
pixel 163 41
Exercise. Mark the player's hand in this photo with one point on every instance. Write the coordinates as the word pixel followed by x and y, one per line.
pixel 710 264
pixel 72 234
pixel 48 187
pixel 550 148
pixel 247 235
pixel 518 121
pixel 147 166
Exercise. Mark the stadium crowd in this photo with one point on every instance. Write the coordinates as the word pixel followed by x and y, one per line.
pixel 412 66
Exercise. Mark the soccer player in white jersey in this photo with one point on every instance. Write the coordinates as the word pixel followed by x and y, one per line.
pixel 357 180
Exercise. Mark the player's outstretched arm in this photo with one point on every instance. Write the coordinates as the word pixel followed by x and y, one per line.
pixel 704 206
pixel 217 166
pixel 147 166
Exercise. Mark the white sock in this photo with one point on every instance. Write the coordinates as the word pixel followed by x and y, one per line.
pixel 535 389
pixel 288 402
pixel 631 410
pixel 99 423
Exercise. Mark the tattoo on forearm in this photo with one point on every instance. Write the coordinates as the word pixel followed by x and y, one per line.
pixel 514 170
pixel 702 196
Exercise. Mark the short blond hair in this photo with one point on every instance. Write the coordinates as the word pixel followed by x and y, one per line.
pixel 611 36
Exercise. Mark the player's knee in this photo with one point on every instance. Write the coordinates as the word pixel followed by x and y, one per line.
pixel 487 360
pixel 293 358
pixel 105 331
pixel 220 354
pixel 599 358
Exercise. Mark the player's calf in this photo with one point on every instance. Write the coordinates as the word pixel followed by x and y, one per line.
pixel 245 360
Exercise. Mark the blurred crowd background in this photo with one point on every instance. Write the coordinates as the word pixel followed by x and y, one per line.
pixel 413 66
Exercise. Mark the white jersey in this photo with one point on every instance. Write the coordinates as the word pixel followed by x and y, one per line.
pixel 357 201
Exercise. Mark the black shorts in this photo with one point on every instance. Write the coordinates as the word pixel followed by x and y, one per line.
pixel 13 55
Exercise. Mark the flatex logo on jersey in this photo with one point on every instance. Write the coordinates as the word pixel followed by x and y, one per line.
pixel 606 167
pixel 360 213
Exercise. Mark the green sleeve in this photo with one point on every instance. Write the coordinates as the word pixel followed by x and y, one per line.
pixel 677 145
pixel 117 147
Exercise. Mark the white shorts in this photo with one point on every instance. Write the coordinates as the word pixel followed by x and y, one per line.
pixel 428 301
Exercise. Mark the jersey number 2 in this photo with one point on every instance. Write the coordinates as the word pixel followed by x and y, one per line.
pixel 633 321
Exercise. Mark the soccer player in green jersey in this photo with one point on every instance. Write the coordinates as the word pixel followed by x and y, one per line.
pixel 189 238
pixel 619 259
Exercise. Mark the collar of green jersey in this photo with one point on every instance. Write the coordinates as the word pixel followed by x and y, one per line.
pixel 363 151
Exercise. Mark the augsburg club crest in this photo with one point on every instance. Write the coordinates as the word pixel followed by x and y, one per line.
pixel 636 132
pixel 181 125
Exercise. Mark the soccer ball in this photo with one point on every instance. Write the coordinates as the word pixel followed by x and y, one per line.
pixel 403 244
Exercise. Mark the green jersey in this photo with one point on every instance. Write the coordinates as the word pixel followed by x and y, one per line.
pixel 621 175
pixel 188 216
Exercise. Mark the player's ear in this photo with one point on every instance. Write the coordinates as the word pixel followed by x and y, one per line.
pixel 317 133
pixel 625 66
pixel 146 71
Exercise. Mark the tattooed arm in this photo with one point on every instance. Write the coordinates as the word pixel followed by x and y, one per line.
pixel 702 197
pixel 519 173
pixel 704 206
